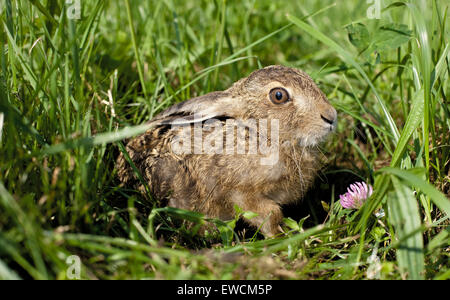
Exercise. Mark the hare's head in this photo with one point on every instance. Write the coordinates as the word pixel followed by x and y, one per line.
pixel 288 95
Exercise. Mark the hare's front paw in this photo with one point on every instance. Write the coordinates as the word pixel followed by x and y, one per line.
pixel 268 219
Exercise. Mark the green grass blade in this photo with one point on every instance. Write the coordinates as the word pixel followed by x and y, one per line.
pixel 44 11
pixel 424 64
pixel 100 139
pixel 11 207
pixel 413 121
pixel 361 119
pixel 32 78
pixel 428 189
pixel 404 215
pixel 441 66
pixel 135 48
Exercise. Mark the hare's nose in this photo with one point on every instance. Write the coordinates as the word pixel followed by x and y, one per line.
pixel 330 116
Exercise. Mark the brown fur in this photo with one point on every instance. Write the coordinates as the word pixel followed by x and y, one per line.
pixel 213 183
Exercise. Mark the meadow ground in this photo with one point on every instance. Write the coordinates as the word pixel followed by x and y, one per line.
pixel 77 79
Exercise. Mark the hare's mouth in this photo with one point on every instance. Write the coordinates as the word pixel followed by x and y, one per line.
pixel 311 140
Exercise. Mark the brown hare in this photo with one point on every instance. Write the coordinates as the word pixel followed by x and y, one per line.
pixel 253 145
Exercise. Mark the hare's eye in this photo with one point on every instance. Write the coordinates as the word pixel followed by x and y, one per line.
pixel 279 95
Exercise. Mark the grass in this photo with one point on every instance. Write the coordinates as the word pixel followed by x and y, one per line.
pixel 71 90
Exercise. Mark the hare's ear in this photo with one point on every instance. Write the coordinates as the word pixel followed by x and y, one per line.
pixel 199 109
